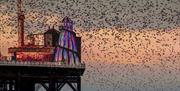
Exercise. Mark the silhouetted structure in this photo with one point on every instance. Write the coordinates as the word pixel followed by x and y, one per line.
pixel 51 37
pixel 54 64
pixel 21 18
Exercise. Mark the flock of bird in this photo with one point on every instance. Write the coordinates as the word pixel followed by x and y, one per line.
pixel 127 45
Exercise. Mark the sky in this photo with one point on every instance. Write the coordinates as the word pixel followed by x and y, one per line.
pixel 127 45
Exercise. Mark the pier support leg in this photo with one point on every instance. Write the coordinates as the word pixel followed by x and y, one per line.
pixel 79 84
pixel 52 85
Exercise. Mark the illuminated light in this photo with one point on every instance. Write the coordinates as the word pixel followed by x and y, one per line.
pixel 33 56
pixel 18 56
pixel 60 54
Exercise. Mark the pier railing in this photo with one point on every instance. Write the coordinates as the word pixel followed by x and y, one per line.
pixel 41 64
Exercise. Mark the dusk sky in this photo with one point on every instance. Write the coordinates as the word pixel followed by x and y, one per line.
pixel 127 45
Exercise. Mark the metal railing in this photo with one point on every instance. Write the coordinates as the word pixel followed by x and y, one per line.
pixel 41 64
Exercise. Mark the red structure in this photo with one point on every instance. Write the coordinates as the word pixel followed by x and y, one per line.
pixel 30 51
pixel 21 18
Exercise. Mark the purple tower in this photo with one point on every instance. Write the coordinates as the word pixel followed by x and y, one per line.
pixel 67 51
